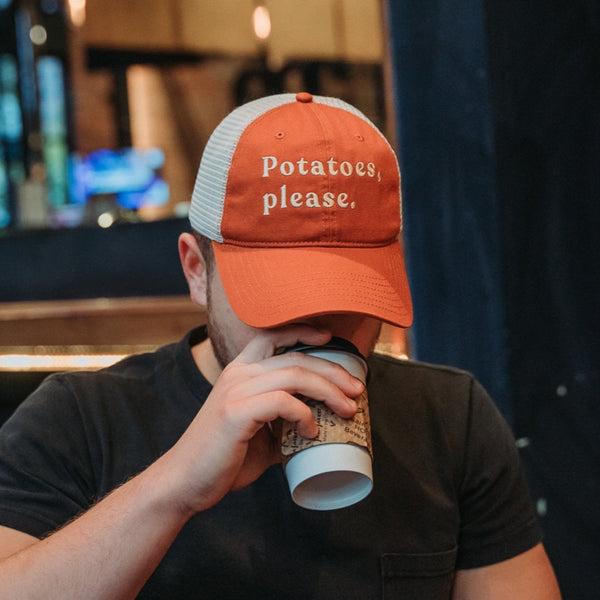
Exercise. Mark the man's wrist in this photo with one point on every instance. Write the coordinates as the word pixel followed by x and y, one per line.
pixel 165 495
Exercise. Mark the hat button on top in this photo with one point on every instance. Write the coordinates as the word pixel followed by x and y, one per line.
pixel 304 97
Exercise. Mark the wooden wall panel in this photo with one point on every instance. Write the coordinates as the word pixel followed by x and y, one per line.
pixel 135 24
pixel 221 27
pixel 311 29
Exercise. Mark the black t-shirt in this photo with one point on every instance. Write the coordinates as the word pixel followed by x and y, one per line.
pixel 448 490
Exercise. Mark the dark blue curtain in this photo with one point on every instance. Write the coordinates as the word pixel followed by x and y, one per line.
pixel 451 214
pixel 498 112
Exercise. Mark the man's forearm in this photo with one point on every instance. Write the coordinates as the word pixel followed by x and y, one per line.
pixel 107 553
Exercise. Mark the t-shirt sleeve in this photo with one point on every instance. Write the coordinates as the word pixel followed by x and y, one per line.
pixel 498 519
pixel 45 479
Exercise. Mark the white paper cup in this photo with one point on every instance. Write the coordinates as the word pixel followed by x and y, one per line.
pixel 333 470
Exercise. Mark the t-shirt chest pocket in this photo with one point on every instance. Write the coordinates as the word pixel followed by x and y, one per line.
pixel 418 576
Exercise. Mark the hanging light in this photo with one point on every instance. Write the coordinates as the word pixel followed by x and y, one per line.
pixel 261 21
pixel 77 12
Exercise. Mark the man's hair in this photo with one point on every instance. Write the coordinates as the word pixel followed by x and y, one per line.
pixel 206 249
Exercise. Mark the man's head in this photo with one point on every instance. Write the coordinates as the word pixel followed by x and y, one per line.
pixel 300 196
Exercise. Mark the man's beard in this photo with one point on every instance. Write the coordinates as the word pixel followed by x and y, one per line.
pixel 218 342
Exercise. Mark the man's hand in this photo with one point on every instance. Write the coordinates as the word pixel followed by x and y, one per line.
pixel 229 444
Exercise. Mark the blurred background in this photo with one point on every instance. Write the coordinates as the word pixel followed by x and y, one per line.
pixel 105 107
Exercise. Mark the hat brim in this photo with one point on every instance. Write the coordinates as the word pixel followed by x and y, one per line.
pixel 267 287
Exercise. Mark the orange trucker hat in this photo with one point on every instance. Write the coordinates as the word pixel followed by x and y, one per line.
pixel 301 197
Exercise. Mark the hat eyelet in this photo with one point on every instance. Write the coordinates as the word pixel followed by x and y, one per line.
pixel 280 135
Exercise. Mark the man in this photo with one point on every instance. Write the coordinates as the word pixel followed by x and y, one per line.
pixel 160 477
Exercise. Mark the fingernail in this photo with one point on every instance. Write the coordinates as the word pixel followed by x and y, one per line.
pixel 358 384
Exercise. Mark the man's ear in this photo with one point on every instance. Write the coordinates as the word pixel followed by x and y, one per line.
pixel 194 268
